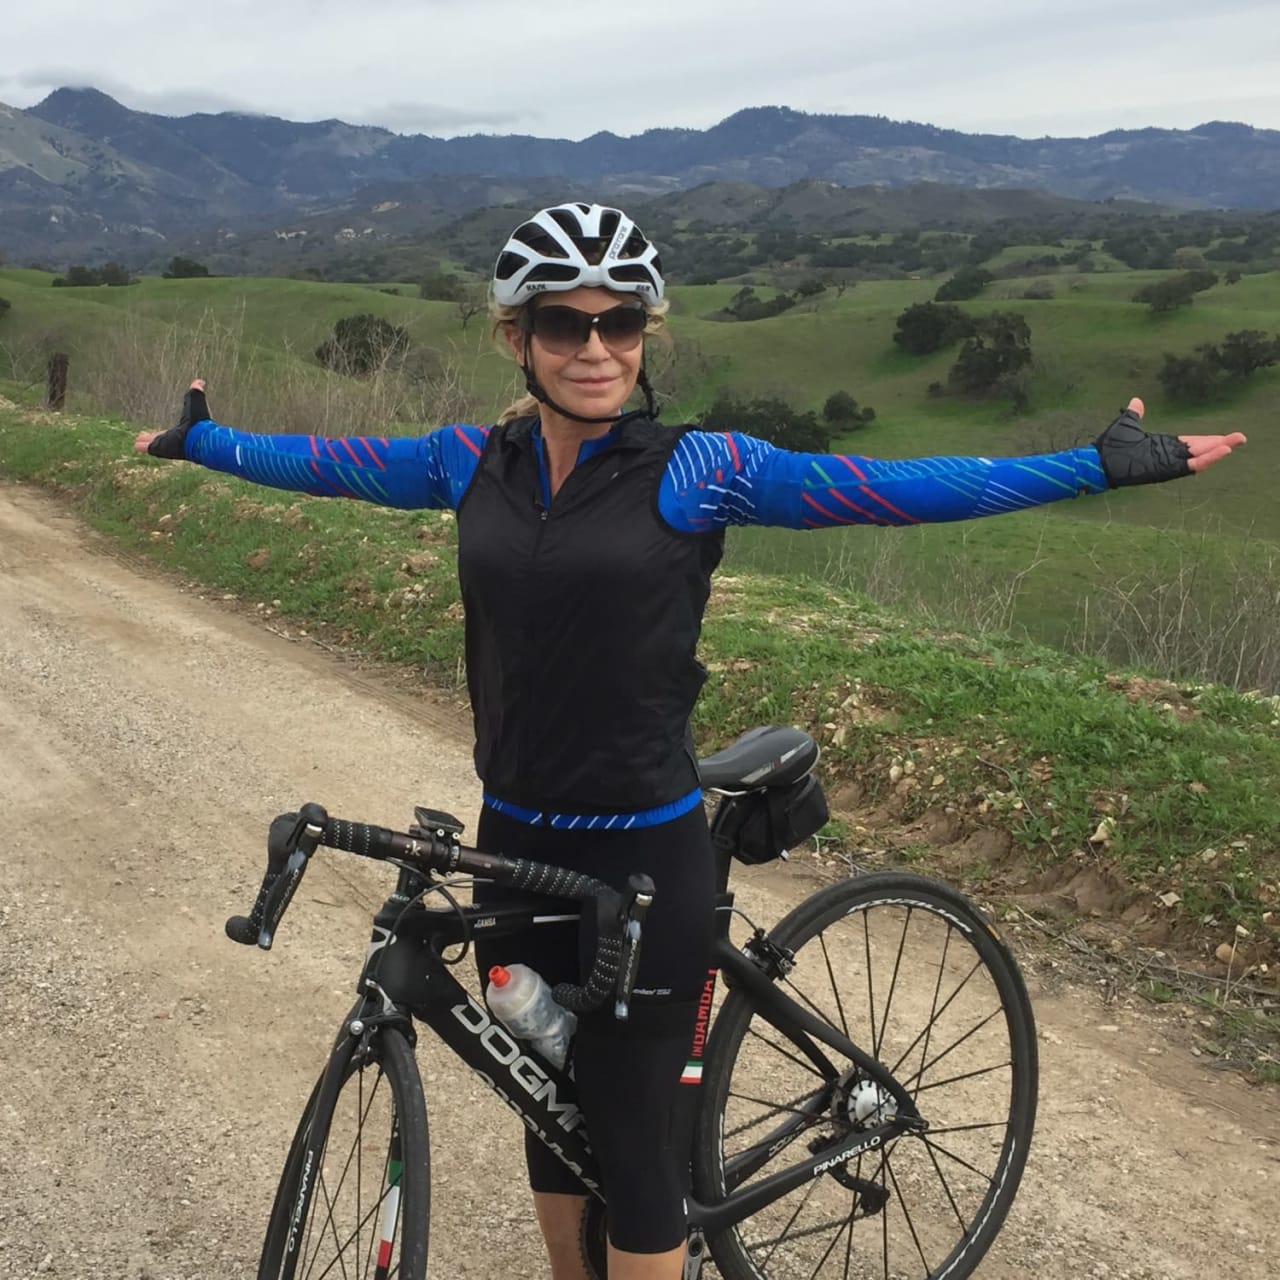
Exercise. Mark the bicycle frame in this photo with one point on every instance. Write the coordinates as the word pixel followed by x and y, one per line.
pixel 405 978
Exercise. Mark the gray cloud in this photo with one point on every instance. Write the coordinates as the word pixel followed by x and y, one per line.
pixel 1027 67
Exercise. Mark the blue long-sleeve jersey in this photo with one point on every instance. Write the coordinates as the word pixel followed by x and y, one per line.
pixel 714 479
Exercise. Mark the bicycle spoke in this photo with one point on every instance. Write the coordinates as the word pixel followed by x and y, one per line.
pixel 802 1234
pixel 775 1109
pixel 804 1200
pixel 933 1011
pixel 801 995
pixel 893 985
pixel 342 1246
pixel 835 1240
pixel 946 1187
pixel 951 1155
pixel 810 1067
pixel 893 1070
pixel 330 1225
pixel 906 1213
pixel 966 1075
pixel 995 1013
pixel 835 987
pixel 871 987
pixel 884 1219
pixel 968 1128
pixel 848 1247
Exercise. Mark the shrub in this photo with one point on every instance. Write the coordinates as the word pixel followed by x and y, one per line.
pixel 746 305
pixel 440 286
pixel 1189 378
pixel 1177 291
pixel 841 411
pixel 968 282
pixel 184 269
pixel 769 418
pixel 1197 378
pixel 998 347
pixel 925 327
pixel 78 277
pixel 361 344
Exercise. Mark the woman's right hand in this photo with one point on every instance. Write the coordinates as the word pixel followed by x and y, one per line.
pixel 169 444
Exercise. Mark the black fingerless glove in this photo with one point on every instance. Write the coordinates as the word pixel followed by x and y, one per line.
pixel 171 443
pixel 1131 455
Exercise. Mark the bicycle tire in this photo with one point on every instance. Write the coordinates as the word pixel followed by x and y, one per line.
pixel 341 1230
pixel 838 946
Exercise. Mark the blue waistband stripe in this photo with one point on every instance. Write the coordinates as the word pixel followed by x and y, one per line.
pixel 596 821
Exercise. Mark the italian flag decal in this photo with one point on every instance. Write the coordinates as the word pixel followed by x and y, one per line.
pixel 692 1074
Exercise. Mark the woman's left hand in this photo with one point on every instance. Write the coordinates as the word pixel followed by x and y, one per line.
pixel 1131 455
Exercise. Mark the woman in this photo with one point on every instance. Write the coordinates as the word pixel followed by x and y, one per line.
pixel 587 536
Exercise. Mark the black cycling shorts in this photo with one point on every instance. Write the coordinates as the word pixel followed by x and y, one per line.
pixel 639 1114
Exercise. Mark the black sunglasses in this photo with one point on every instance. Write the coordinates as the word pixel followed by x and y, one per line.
pixel 564 330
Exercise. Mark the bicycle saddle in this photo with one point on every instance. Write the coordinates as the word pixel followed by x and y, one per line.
pixel 771 756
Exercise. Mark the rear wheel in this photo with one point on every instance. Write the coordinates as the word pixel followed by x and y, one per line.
pixel 910 972
pixel 354 1197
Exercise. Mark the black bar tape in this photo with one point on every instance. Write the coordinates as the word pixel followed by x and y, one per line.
pixel 556 882
pixel 600 982
pixel 359 838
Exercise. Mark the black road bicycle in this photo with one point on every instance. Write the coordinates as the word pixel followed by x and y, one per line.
pixel 868 1086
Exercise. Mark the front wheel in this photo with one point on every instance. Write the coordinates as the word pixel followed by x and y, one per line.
pixel 908 970
pixel 354 1197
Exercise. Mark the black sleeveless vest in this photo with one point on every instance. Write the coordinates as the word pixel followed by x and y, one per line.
pixel 582 622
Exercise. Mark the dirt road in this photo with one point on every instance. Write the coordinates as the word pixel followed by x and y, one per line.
pixel 151 1072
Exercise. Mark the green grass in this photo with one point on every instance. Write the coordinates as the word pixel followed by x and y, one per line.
pixel 1094 345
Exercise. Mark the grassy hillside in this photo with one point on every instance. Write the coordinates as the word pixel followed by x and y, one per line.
pixel 1159 575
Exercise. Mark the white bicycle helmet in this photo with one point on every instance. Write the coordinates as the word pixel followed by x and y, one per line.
pixel 552 252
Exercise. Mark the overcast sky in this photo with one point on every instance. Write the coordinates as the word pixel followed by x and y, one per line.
pixel 568 68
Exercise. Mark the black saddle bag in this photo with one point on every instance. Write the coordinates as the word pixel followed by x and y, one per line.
pixel 762 825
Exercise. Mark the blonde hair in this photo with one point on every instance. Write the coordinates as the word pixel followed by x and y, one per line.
pixel 505 318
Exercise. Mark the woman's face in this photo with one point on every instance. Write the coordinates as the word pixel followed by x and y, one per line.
pixel 592 378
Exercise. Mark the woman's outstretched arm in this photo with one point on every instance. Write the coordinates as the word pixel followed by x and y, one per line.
pixel 407 472
pixel 716 479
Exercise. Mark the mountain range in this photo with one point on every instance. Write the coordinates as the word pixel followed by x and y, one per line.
pixel 83 176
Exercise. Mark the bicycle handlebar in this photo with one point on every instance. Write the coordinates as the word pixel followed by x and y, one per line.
pixel 619 916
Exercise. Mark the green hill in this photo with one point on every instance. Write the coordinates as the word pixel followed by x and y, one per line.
pixel 1177 569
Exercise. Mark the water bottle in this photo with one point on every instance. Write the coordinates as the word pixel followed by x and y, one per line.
pixel 522 1002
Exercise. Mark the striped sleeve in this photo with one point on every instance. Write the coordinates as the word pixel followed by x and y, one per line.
pixel 716 479
pixel 404 471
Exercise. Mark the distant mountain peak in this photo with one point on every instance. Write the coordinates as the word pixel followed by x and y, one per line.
pixel 116 167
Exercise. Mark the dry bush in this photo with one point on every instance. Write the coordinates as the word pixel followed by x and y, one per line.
pixel 139 371
pixel 1202 621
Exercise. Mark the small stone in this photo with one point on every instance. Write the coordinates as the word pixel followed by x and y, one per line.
pixel 1104 832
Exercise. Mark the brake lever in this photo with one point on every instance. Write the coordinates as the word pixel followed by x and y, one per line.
pixel 638 901
pixel 292 840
